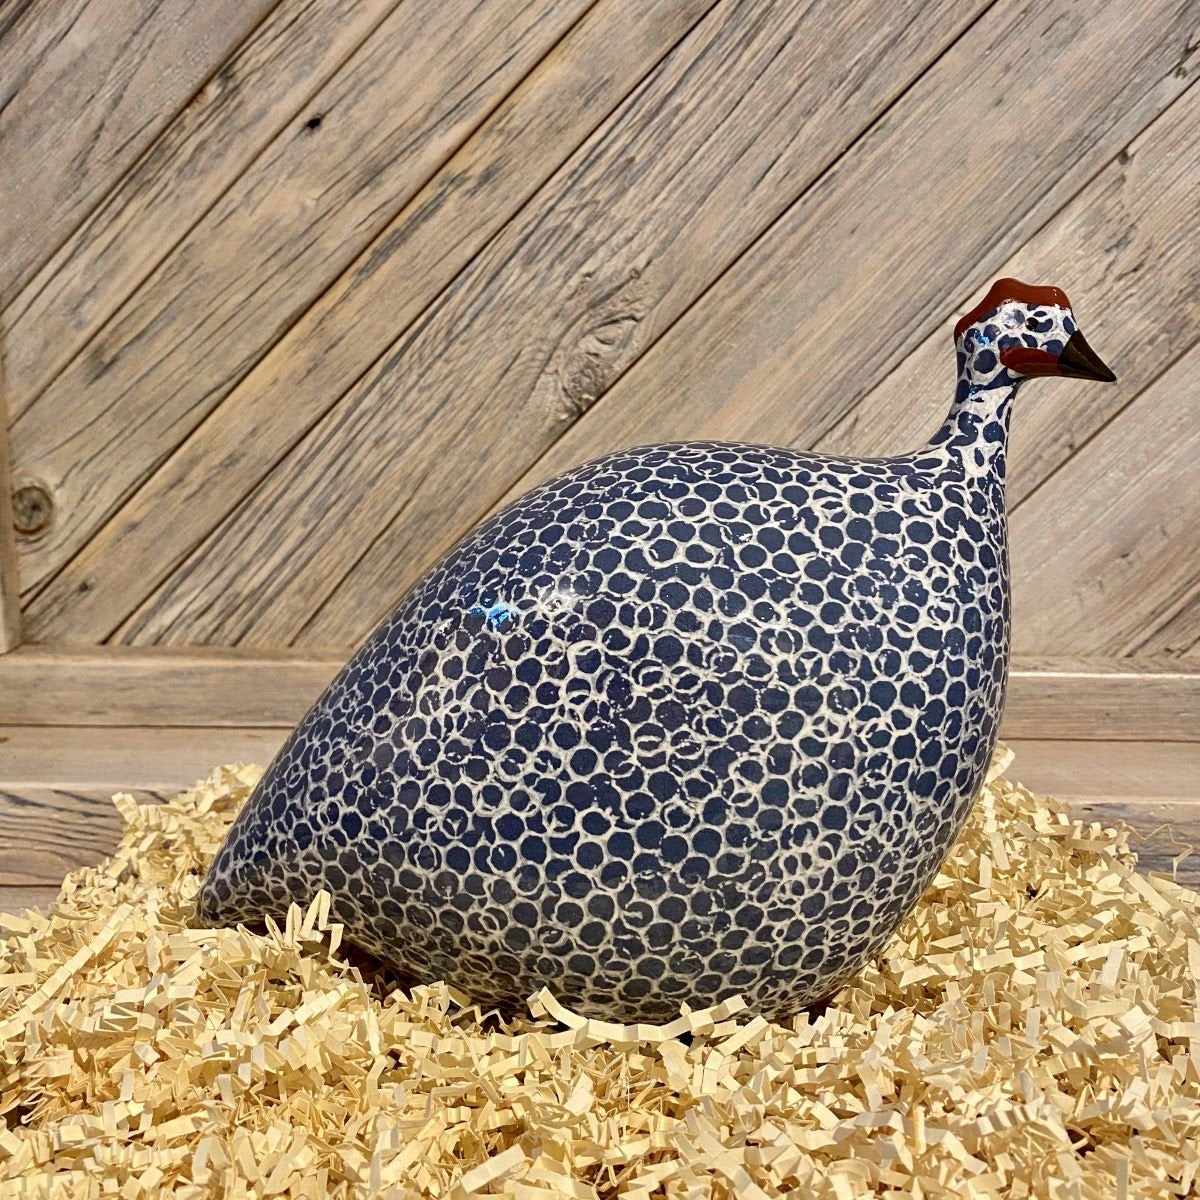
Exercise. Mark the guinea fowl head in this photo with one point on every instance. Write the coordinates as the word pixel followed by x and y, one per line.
pixel 1019 331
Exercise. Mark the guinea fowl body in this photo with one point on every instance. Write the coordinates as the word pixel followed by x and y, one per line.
pixel 690 720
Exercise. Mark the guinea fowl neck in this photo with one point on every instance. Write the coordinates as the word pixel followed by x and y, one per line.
pixel 975 430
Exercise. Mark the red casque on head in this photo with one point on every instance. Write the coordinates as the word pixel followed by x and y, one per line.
pixel 1011 290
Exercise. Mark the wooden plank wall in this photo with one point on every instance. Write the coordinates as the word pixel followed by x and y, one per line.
pixel 85 88
pixel 388 263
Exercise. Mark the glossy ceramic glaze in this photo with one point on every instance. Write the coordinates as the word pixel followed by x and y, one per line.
pixel 689 720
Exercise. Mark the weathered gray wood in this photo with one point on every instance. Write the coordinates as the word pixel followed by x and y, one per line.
pixel 309 203
pixel 1127 250
pixel 734 124
pixel 1179 636
pixel 1120 699
pixel 122 758
pixel 1095 700
pixel 85 86
pixel 1154 787
pixel 1099 772
pixel 117 686
pixel 10 585
pixel 399 274
pixel 259 90
pixel 919 212
pixel 19 900
pixel 48 832
pixel 1108 548
pixel 57 783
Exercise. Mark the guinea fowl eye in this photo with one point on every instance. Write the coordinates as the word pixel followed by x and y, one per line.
pixel 1032 324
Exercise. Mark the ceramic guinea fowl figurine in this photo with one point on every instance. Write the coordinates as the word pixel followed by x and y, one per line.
pixel 687 721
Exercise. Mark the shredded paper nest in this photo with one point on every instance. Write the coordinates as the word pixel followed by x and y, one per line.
pixel 1031 1031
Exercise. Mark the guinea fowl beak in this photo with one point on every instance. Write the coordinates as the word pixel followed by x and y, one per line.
pixel 1080 361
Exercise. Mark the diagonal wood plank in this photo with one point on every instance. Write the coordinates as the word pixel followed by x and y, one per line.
pixel 212 141
pixel 842 286
pixel 390 117
pixel 1127 250
pixel 798 343
pixel 553 109
pixel 85 87
pixel 1109 546
pixel 733 124
pixel 1179 635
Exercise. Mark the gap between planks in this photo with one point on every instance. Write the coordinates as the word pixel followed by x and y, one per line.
pixel 302 581
pixel 264 259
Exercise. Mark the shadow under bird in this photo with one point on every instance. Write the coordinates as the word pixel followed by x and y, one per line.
pixel 690 720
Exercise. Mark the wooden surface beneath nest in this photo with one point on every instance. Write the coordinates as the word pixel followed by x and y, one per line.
pixel 56 785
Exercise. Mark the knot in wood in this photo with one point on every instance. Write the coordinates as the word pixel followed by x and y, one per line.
pixel 32 509
pixel 584 382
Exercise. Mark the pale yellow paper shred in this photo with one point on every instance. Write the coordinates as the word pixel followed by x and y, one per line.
pixel 1032 1031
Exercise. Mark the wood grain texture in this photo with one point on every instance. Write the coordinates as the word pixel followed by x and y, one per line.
pixel 1123 700
pixel 48 832
pixel 1179 636
pixel 847 281
pixel 1133 773
pixel 246 103
pixel 143 758
pixel 1127 251
pixel 735 123
pixel 10 584
pixel 391 116
pixel 1167 835
pixel 20 900
pixel 520 145
pixel 117 686
pixel 1154 787
pixel 1087 699
pixel 57 783
pixel 1108 549
pixel 85 87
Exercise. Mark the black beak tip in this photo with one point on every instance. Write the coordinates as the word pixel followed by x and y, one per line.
pixel 1080 361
